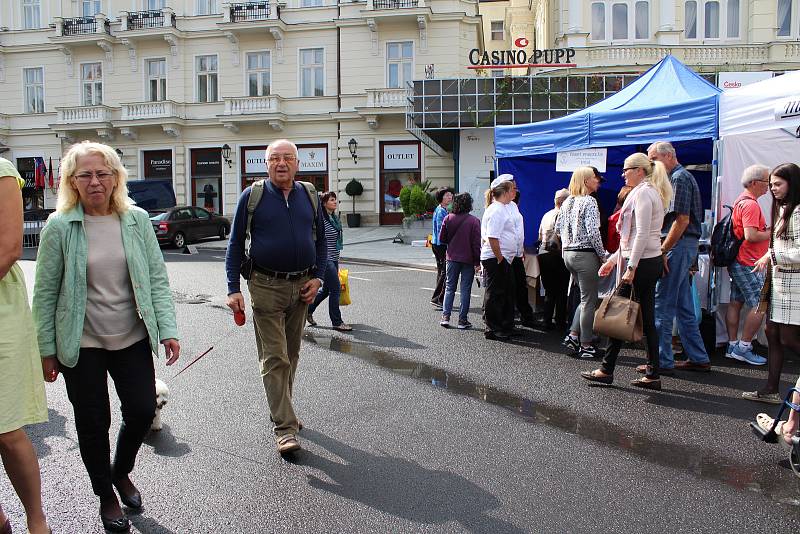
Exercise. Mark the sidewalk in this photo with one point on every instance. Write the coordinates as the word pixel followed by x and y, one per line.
pixel 372 244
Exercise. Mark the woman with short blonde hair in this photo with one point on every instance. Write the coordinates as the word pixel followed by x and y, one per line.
pixel 582 249
pixel 102 304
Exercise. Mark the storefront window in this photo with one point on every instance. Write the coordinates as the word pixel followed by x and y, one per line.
pixel 400 166
pixel 207 178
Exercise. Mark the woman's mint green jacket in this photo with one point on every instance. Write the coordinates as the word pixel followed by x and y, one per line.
pixel 59 296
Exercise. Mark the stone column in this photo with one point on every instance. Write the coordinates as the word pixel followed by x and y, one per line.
pixel 575 19
pixel 668 33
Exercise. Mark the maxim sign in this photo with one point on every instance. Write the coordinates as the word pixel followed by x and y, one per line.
pixel 515 59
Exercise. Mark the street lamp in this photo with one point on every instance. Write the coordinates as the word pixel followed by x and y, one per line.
pixel 226 155
pixel 352 144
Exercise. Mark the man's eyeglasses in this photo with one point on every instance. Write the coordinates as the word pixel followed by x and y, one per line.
pixel 277 158
pixel 101 176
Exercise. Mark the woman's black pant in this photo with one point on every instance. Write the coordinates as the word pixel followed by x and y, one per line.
pixel 521 291
pixel 133 374
pixel 555 279
pixel 498 296
pixel 644 284
pixel 440 253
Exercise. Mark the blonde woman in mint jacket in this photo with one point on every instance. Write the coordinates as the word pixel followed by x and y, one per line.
pixel 102 305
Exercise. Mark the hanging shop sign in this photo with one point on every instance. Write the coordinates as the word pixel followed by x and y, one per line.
pixel 521 58
pixel 569 160
pixel 255 161
pixel 313 159
pixel 401 156
pixel 206 162
pixel 157 164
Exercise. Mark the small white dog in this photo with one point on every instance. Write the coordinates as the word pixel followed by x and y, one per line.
pixel 162 394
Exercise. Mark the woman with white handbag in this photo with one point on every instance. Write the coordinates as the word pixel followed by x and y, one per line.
pixel 639 258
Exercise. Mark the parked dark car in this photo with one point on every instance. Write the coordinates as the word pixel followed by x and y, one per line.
pixel 183 224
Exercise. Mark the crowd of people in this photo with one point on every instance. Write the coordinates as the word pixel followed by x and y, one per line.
pixel 648 252
pixel 102 304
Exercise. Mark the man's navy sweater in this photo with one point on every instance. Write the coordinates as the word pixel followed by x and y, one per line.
pixel 280 233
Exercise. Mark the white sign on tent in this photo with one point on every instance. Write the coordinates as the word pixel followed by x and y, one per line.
pixel 570 160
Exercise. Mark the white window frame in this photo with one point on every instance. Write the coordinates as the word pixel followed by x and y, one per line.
pixel 196 81
pixel 25 96
pixel 608 21
pixel 794 21
pixel 206 7
pixel 700 36
pixel 247 71
pixel 83 82
pixel 153 5
pixel 502 30
pixel 31 14
pixel 400 62
pixel 146 91
pixel 312 3
pixel 97 6
pixel 300 71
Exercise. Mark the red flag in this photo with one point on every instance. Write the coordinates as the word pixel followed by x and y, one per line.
pixel 50 174
pixel 40 172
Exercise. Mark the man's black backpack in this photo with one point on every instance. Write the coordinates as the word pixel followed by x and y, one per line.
pixel 724 243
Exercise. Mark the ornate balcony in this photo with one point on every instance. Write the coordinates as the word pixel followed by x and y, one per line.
pixel 84 26
pixel 244 109
pixel 387 98
pixel 147 20
pixel 149 110
pixel 82 31
pixel 395 4
pixel 84 115
pixel 249 11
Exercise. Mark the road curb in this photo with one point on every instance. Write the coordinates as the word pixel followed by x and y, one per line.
pixel 386 263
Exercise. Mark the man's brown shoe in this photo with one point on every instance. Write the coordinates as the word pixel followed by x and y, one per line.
pixel 643 369
pixel 287 443
pixel 689 365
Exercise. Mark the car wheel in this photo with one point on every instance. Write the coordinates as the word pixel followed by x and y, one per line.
pixel 179 240
pixel 223 232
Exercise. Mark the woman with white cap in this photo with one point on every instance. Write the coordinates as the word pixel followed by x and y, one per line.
pixel 554 274
pixel 501 241
pixel 583 251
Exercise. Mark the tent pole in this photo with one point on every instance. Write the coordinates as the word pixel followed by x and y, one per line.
pixel 713 294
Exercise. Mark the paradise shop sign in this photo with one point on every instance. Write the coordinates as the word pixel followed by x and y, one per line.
pixel 521 58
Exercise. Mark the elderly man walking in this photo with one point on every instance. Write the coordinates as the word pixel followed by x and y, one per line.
pixel 680 236
pixel 284 265
pixel 748 224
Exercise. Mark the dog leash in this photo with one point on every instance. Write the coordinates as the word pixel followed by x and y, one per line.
pixel 239 319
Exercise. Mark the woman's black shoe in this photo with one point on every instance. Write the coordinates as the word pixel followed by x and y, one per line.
pixel 128 493
pixel 591 377
pixel 114 524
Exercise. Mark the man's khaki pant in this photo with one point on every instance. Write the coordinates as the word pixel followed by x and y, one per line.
pixel 278 317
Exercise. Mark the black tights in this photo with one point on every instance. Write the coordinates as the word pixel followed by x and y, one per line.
pixel 779 336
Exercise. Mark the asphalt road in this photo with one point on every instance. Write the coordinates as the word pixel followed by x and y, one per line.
pixel 413 428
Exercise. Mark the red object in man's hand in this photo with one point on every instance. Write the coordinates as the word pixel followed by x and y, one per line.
pixel 239 318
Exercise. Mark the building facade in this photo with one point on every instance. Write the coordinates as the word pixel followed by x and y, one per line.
pixel 192 91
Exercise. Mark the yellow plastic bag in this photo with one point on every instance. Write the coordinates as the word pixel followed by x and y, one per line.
pixel 344 283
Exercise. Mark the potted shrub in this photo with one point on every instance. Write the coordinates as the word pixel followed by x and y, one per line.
pixel 354 189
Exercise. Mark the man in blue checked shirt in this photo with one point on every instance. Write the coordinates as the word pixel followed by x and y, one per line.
pixel 680 236
pixel 444 196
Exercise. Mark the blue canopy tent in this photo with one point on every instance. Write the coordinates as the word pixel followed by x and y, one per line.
pixel 669 102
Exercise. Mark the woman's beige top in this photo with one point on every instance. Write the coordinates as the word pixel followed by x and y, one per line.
pixel 647 219
pixel 112 322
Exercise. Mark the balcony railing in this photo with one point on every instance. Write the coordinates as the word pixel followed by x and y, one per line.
pixel 247 11
pixel 245 105
pixel 84 114
pixel 149 110
pixel 395 4
pixel 387 98
pixel 84 25
pixel 145 20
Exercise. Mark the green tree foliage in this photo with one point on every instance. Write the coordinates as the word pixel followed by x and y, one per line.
pixel 418 201
pixel 405 200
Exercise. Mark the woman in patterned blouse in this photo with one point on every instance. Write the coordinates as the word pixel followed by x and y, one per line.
pixel 583 251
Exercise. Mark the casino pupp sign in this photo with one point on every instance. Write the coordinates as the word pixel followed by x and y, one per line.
pixel 521 58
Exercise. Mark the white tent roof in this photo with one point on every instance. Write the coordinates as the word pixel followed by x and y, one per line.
pixel 759 107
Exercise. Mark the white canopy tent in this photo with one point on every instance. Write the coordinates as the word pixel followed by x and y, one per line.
pixel 758 123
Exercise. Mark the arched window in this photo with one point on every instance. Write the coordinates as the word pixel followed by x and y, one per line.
pixel 712 19
pixel 620 20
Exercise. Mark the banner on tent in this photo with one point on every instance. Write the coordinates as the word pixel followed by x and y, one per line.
pixel 569 160
pixel 788 108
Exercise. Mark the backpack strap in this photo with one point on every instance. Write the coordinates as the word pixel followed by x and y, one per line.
pixel 256 192
pixel 311 191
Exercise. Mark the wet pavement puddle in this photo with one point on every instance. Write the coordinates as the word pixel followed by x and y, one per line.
pixel 698 462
